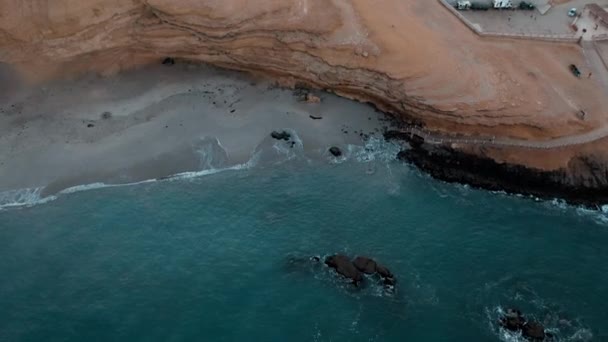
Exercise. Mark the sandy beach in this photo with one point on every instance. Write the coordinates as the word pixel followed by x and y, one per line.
pixel 159 121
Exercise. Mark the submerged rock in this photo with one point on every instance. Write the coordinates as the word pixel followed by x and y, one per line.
pixel 343 265
pixel 383 271
pixel 336 152
pixel 365 265
pixel 513 320
pixel 533 331
pixel 280 135
pixel 390 281
pixel 302 264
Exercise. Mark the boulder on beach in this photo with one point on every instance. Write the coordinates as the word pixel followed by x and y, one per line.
pixel 335 151
pixel 283 135
pixel 365 265
pixel 343 265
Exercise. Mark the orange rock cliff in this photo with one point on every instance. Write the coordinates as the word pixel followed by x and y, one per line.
pixel 412 58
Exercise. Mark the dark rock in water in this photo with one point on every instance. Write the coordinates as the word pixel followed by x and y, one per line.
pixel 168 61
pixel 280 135
pixel 302 264
pixel 365 265
pixel 383 271
pixel 513 320
pixel 336 152
pixel 343 265
pixel 533 331
pixel 583 181
pixel 390 281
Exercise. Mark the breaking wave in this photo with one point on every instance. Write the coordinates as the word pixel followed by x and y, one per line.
pixel 213 159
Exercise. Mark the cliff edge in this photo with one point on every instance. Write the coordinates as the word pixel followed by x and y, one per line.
pixel 410 58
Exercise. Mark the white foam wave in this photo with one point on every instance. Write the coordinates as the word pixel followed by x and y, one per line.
pixel 22 197
pixel 33 196
pixel 599 215
pixel 375 149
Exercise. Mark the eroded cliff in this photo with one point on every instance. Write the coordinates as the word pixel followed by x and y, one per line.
pixel 411 58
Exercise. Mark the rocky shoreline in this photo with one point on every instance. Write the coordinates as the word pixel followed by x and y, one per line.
pixel 588 186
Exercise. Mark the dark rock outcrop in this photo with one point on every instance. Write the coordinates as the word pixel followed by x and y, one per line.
pixel 533 331
pixel 389 281
pixel 383 271
pixel 513 320
pixel 283 135
pixel 343 265
pixel 365 265
pixel 335 151
pixel 355 269
pixel 590 188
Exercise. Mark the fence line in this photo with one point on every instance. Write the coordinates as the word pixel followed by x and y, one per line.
pixel 560 38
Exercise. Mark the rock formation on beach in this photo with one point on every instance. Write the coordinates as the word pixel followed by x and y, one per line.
pixel 411 58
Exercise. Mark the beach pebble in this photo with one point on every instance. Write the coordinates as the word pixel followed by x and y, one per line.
pixel 336 152
pixel 280 135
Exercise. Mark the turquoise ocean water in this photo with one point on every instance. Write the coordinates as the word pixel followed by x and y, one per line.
pixel 207 259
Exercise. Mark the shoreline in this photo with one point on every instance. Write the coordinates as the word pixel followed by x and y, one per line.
pixel 448 163
pixel 160 121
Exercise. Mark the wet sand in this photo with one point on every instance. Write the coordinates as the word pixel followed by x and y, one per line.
pixel 159 121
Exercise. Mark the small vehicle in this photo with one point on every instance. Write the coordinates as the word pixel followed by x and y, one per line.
pixel 575 70
pixel 524 5
pixel 480 6
pixel 572 12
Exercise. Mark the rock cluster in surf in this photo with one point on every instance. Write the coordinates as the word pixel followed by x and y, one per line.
pixel 513 320
pixel 355 269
